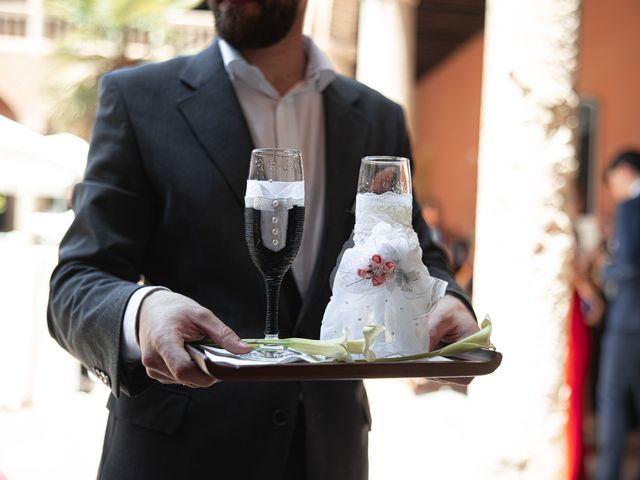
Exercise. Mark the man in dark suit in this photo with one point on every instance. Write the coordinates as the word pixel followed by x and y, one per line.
pixel 620 357
pixel 162 201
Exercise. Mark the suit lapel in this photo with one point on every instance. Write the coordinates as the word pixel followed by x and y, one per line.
pixel 211 108
pixel 345 131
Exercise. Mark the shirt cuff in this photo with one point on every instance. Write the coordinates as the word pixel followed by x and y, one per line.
pixel 130 344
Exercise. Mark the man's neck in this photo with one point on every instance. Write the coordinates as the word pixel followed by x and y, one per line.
pixel 284 63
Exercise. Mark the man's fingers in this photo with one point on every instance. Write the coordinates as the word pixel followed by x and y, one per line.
pixel 434 340
pixel 184 370
pixel 449 330
pixel 168 321
pixel 223 335
pixel 168 380
pixel 437 330
pixel 157 369
pixel 450 321
pixel 175 366
pixel 159 376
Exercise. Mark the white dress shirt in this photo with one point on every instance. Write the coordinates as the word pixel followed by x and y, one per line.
pixel 293 120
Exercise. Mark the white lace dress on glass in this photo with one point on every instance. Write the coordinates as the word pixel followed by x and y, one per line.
pixel 382 280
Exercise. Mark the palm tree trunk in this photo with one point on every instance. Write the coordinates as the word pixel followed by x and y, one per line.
pixel 524 233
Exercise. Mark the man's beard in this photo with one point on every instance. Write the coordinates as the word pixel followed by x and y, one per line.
pixel 266 23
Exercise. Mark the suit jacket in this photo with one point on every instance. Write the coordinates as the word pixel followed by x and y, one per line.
pixel 162 199
pixel 623 273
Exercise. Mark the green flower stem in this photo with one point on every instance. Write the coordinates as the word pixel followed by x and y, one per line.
pixel 480 339
pixel 341 348
pixel 336 348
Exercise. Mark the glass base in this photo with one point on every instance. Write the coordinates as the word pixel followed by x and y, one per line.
pixel 267 350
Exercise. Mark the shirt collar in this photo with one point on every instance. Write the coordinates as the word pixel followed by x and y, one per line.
pixel 635 188
pixel 319 74
pixel 319 68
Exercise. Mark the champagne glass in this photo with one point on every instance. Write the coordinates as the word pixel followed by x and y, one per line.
pixel 385 174
pixel 384 193
pixel 274 218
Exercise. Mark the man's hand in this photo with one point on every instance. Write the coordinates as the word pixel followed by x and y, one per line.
pixel 450 321
pixel 167 321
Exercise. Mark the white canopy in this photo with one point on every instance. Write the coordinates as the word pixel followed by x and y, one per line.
pixel 45 165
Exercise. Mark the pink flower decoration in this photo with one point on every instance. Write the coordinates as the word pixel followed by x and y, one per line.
pixel 378 270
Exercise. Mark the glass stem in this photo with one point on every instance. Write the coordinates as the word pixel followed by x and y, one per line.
pixel 273 285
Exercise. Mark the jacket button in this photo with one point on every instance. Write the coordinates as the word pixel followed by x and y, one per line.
pixel 279 418
pixel 103 377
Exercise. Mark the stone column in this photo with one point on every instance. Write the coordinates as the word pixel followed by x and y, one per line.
pixel 333 24
pixel 35 22
pixel 524 234
pixel 386 49
pixel 317 22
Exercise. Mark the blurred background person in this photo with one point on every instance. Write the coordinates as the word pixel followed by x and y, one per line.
pixel 458 248
pixel 620 358
pixel 432 213
pixel 586 316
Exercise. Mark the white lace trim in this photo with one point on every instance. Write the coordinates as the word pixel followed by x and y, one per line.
pixel 372 208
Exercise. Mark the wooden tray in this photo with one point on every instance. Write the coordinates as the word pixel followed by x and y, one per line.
pixel 471 364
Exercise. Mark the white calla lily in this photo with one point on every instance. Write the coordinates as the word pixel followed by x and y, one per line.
pixel 363 345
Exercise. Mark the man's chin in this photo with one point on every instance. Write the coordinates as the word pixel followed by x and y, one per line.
pixel 251 24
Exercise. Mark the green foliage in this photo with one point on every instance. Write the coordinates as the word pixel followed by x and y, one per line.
pixel 4 203
pixel 110 18
pixel 98 40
